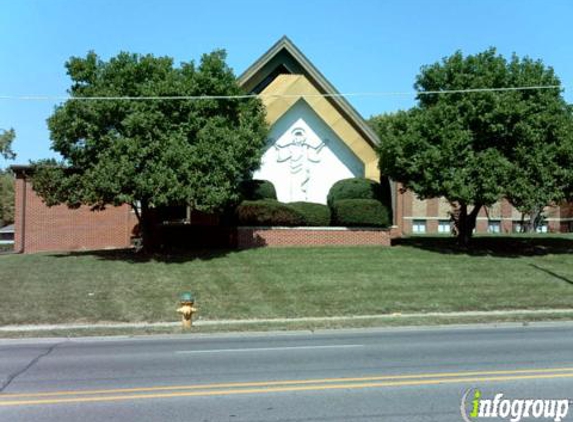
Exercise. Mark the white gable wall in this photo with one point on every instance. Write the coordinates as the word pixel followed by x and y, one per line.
pixel 304 157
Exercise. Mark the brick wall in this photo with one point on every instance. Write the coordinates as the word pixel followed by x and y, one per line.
pixel 559 218
pixel 39 228
pixel 253 237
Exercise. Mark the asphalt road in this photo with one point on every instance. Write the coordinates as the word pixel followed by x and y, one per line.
pixel 376 375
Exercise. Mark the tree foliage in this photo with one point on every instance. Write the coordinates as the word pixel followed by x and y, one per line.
pixel 542 174
pixel 475 147
pixel 6 138
pixel 7 178
pixel 152 152
pixel 6 197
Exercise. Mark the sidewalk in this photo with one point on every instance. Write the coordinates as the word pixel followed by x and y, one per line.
pixel 537 314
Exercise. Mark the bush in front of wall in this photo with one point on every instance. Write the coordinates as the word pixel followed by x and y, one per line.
pixel 359 188
pixel 254 190
pixel 317 215
pixel 360 213
pixel 267 212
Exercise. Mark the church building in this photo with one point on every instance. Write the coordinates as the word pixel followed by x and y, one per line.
pixel 316 139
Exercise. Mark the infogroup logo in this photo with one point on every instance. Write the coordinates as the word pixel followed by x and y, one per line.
pixel 475 407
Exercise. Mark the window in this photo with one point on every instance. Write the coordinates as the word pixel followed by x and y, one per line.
pixel 444 226
pixel 419 226
pixel 523 228
pixel 494 227
pixel 517 227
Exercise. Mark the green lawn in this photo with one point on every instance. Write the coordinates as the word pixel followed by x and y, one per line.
pixel 421 274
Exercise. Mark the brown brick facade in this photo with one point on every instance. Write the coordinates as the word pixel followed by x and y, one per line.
pixel 502 215
pixel 39 228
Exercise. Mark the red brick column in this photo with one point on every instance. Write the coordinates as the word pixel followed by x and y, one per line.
pixel 481 226
pixel 432 212
pixel 554 225
pixel 506 222
pixel 407 200
pixel 481 222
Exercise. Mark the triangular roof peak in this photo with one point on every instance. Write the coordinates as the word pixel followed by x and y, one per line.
pixel 284 57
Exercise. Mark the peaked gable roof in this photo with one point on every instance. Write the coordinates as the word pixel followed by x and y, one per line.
pixel 285 58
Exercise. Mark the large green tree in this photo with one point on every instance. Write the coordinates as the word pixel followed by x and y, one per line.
pixel 541 173
pixel 475 147
pixel 151 152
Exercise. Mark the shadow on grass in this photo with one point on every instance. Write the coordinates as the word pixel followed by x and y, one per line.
pixel 552 273
pixel 176 256
pixel 500 246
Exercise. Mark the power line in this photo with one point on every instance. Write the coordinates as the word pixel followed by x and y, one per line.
pixel 246 96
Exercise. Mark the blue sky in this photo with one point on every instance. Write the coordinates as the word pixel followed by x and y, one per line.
pixel 359 45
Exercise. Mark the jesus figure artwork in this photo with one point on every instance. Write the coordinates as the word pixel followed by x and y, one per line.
pixel 301 155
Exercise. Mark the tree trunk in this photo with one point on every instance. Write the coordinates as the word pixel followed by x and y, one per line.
pixel 534 219
pixel 146 224
pixel 466 223
pixel 145 219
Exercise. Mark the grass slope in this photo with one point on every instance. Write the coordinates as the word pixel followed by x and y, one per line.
pixel 418 275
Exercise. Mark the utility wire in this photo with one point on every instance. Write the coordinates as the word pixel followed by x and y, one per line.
pixel 245 96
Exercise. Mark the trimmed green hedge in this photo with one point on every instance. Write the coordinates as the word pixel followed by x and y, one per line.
pixel 360 213
pixel 314 214
pixel 254 190
pixel 267 212
pixel 359 188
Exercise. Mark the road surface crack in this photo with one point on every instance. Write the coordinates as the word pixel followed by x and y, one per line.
pixel 34 361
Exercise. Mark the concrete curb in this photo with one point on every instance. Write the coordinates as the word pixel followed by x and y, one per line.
pixel 231 322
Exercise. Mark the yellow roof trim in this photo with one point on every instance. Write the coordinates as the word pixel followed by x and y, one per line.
pixel 296 87
pixel 284 53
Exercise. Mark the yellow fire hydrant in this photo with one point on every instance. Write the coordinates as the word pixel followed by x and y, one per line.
pixel 186 309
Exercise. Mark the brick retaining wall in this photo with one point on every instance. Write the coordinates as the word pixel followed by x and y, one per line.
pixel 255 237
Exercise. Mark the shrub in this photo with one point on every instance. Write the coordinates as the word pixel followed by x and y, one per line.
pixel 314 214
pixel 360 212
pixel 267 212
pixel 254 190
pixel 359 188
